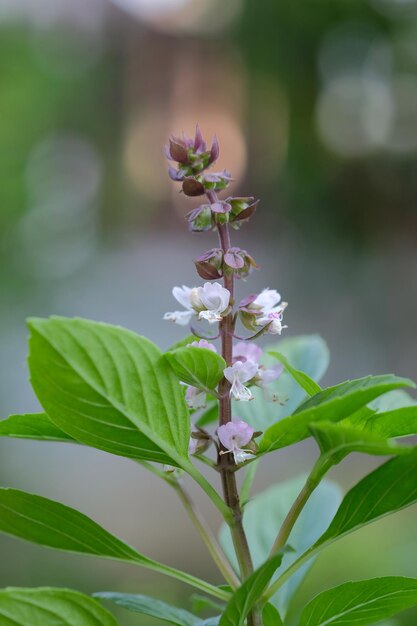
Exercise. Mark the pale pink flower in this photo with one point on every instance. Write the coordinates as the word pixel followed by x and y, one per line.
pixel 239 373
pixel 234 436
pixel 203 344
pixel 195 398
pixel 247 351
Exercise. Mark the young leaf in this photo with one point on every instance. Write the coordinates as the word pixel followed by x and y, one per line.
pixel 150 606
pixel 51 607
pixel 399 422
pixel 264 515
pixel 249 593
pixel 308 384
pixel 108 388
pixel 49 523
pixel 331 404
pixel 32 426
pixel 338 440
pixel 199 367
pixel 270 616
pixel 362 602
pixel 308 354
pixel 389 488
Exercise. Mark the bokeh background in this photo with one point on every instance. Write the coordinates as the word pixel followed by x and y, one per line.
pixel 315 106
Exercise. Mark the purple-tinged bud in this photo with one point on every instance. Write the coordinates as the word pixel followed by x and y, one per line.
pixel 214 151
pixel 174 174
pixel 198 139
pixel 239 262
pixel 192 187
pixel 248 315
pixel 200 219
pixel 199 442
pixel 178 151
pixel 209 264
pixel 242 209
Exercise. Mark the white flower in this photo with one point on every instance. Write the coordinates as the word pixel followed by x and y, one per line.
pixel 273 319
pixel 267 299
pixel 239 373
pixel 195 398
pixel 234 436
pixel 183 296
pixel 265 375
pixel 212 301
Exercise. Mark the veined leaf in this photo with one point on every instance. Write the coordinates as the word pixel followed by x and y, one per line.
pixel 308 384
pixel 109 388
pixel 331 404
pixel 389 488
pixel 399 422
pixel 150 606
pixel 199 367
pixel 52 524
pixel 264 515
pixel 338 440
pixel 51 607
pixel 362 602
pixel 32 426
pixel 308 354
pixel 270 616
pixel 245 598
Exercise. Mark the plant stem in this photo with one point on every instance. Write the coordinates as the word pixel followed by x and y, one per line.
pixel 198 520
pixel 228 478
pixel 206 534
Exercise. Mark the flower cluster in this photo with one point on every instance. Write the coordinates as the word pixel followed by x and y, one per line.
pixel 213 302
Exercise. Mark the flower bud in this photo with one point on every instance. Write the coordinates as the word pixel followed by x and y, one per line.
pixel 239 262
pixel 178 150
pixel 214 151
pixel 192 187
pixel 242 209
pixel 199 442
pixel 209 264
pixel 200 219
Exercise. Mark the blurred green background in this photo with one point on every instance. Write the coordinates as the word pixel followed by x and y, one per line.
pixel 315 106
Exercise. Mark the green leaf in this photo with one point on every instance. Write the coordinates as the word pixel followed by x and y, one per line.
pixel 244 598
pixel 183 342
pixel 308 384
pixel 109 388
pixel 51 607
pixel 150 606
pixel 52 524
pixel 270 616
pixel 338 440
pixel 199 367
pixel 32 426
pixel 362 602
pixel 396 423
pixel 386 490
pixel 308 354
pixel 331 404
pixel 264 515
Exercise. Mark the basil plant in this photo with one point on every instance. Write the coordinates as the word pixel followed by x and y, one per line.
pixel 215 398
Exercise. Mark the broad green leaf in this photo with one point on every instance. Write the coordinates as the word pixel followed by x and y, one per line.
pixel 362 602
pixel 396 423
pixel 108 388
pixel 331 404
pixel 270 616
pixel 150 606
pixel 263 517
pixel 389 488
pixel 46 606
pixel 245 598
pixel 396 399
pixel 310 355
pixel 308 384
pixel 199 367
pixel 52 524
pixel 32 426
pixel 338 440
